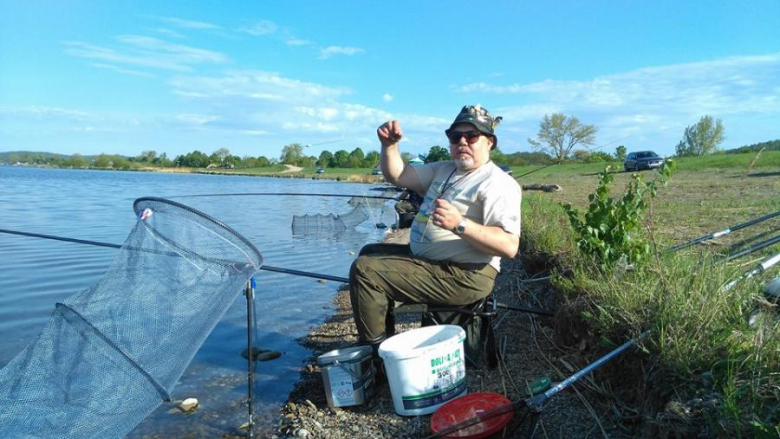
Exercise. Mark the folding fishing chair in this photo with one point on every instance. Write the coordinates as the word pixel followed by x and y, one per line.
pixel 476 319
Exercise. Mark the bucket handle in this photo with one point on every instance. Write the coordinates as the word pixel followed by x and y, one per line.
pixel 342 366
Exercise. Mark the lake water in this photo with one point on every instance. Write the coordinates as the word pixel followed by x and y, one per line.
pixel 97 205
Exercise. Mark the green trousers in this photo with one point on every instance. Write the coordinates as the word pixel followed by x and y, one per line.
pixel 387 273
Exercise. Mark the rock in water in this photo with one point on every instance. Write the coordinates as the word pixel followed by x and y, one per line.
pixel 188 405
pixel 255 352
pixel 268 355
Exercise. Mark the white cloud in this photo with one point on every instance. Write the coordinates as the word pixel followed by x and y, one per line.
pixel 387 97
pixel 186 24
pixel 729 85
pixel 339 50
pixel 169 33
pixel 141 51
pixel 122 71
pixel 256 85
pixel 293 41
pixel 196 119
pixel 45 112
pixel 263 27
pixel 652 104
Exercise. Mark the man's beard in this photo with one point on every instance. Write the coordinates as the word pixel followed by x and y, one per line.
pixel 464 163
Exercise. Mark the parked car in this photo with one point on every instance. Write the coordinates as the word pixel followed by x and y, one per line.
pixel 320 170
pixel 506 169
pixel 376 171
pixel 642 160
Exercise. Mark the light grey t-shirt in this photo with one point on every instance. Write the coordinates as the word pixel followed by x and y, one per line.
pixel 487 195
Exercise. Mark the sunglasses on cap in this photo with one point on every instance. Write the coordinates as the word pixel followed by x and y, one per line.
pixel 472 136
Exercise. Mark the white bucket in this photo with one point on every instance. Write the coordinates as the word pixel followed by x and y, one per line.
pixel 347 375
pixel 425 368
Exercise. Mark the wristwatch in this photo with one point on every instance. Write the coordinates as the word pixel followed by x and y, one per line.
pixel 460 229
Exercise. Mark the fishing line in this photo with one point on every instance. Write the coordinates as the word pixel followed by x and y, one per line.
pixel 558 162
pixel 117 246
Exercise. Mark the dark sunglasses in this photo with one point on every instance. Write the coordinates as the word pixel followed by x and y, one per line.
pixel 472 136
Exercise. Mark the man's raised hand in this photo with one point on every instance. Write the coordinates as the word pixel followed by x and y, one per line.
pixel 389 133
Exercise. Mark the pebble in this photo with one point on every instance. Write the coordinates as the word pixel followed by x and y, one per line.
pixel 189 405
pixel 302 433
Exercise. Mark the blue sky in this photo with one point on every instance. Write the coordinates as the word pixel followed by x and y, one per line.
pixel 174 76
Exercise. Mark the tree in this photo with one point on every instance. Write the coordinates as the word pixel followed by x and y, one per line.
pixel 231 161
pixel 76 161
pixel 580 155
pixel 162 160
pixel 262 161
pixel 340 159
pixel 559 133
pixel 702 138
pixel 437 154
pixel 620 153
pixel 599 157
pixel 371 160
pixel 497 156
pixel 406 156
pixel 222 154
pixel 292 154
pixel 195 159
pixel 147 156
pixel 102 161
pixel 356 157
pixel 326 157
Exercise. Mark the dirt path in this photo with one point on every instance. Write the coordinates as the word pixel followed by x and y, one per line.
pixel 291 168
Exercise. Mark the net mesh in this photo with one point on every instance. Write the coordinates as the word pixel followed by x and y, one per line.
pixel 363 208
pixel 307 225
pixel 112 353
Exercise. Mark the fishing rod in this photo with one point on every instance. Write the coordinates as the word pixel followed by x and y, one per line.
pixel 559 161
pixel 110 245
pixel 251 325
pixel 760 268
pixel 254 194
pixel 536 403
pixel 751 249
pixel 538 169
pixel 723 232
pixel 262 267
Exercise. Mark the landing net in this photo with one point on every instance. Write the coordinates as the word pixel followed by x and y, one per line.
pixel 112 353
pixel 363 208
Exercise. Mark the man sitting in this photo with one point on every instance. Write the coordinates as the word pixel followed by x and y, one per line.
pixel 468 221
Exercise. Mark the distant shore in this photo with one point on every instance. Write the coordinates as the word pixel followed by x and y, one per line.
pixel 348 175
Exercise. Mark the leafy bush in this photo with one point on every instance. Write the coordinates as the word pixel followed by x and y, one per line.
pixel 609 229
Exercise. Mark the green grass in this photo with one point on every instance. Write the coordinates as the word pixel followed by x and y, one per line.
pixel 702 340
pixel 767 159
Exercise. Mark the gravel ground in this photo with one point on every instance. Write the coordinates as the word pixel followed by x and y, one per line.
pixel 528 352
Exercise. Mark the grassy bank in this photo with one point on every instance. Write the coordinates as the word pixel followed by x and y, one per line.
pixel 705 368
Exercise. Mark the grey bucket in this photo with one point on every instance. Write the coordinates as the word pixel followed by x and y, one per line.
pixel 348 375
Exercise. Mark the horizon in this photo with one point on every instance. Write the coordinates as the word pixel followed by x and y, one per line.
pixel 117 78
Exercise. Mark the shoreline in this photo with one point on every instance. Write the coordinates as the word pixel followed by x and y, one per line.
pixel 291 172
pixel 528 354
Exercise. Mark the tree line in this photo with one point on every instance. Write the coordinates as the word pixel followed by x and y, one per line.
pixel 556 140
